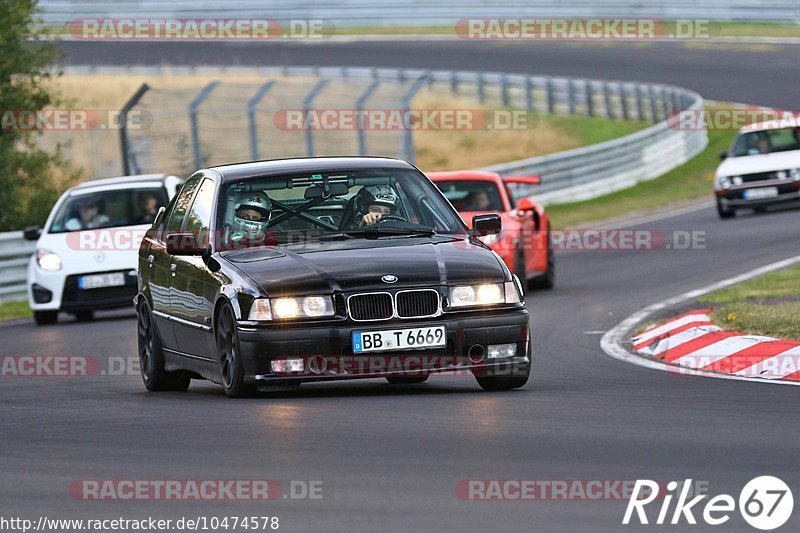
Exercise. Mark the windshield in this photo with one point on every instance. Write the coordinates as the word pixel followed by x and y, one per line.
pixel 767 142
pixel 342 204
pixel 108 209
pixel 475 195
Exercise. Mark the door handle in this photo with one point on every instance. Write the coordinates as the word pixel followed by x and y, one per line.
pixel 173 268
pixel 150 259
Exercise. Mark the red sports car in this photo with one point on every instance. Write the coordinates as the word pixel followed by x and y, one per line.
pixel 524 244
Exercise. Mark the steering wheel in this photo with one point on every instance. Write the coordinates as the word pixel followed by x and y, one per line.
pixel 387 218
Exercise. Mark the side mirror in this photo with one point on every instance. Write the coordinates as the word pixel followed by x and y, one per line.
pixel 489 224
pixel 525 205
pixel 723 156
pixel 32 233
pixel 184 244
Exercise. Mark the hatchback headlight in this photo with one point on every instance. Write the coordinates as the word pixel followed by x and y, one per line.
pixel 283 308
pixel 724 182
pixel 484 294
pixel 795 174
pixel 48 260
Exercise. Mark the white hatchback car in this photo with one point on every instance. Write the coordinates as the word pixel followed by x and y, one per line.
pixel 86 255
pixel 761 169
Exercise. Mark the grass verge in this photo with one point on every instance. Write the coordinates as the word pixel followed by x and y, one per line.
pixel 769 305
pixel 14 309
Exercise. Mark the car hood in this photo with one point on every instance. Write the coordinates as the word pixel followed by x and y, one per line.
pixel 359 264
pixel 752 164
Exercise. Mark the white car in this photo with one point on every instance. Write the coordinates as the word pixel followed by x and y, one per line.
pixel 762 168
pixel 86 255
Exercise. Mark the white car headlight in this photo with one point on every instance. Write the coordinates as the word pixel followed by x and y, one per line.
pixel 484 294
pixel 48 260
pixel 283 308
pixel 795 174
pixel 781 174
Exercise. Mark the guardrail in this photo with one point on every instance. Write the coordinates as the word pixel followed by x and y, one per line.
pixel 15 252
pixel 566 176
pixel 415 12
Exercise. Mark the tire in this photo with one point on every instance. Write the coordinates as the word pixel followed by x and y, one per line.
pixel 84 316
pixel 725 212
pixel 519 270
pixel 151 355
pixel 500 383
pixel 231 367
pixel 45 318
pixel 548 279
pixel 407 380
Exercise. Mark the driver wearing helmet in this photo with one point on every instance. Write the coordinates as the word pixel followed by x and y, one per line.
pixel 373 202
pixel 252 212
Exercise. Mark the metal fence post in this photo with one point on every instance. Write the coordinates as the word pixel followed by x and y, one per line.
pixel 362 137
pixel 589 99
pixel 528 93
pixel 653 103
pixel 124 142
pixel 408 134
pixel 251 117
pixel 551 105
pixel 193 107
pixel 639 103
pixel 454 82
pixel 665 104
pixel 307 102
pixel 607 100
pixel 504 98
pixel 481 88
pixel 623 101
pixel 571 96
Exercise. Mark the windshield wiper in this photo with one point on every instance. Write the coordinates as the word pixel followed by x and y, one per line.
pixel 376 231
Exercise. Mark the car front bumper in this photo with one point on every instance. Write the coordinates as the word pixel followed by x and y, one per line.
pixel 734 197
pixel 327 353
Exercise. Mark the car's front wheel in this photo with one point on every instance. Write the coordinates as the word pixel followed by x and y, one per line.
pixel 725 212
pixel 151 355
pixel 45 318
pixel 229 355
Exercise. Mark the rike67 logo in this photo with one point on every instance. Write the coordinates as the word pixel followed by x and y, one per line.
pixel 765 503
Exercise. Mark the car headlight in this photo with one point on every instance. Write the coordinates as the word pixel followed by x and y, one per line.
pixel 781 174
pixel 48 260
pixel 795 174
pixel 724 182
pixel 489 239
pixel 283 308
pixel 484 294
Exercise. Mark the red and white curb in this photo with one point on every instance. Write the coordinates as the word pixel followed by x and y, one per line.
pixel 615 341
pixel 693 341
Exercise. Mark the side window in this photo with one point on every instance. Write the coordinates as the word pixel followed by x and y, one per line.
pixel 199 219
pixel 176 216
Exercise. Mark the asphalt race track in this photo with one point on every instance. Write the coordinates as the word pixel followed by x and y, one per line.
pixel 390 457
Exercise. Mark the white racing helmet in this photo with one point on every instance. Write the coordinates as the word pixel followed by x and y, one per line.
pixel 250 227
pixel 377 195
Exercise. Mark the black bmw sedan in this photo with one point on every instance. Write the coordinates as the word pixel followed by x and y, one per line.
pixel 274 273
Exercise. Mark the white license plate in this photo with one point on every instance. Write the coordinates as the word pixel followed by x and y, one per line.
pixel 97 281
pixel 758 194
pixel 399 339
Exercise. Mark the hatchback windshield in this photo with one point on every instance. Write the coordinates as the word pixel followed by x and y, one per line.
pixel 767 142
pixel 472 195
pixel 108 209
pixel 342 204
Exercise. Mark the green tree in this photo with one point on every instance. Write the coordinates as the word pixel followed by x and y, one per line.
pixel 31 179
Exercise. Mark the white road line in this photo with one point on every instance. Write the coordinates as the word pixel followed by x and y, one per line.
pixel 719 350
pixel 612 341
pixel 670 326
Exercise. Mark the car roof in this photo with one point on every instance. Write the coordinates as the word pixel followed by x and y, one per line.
pixel 253 169
pixel 775 124
pixel 482 175
pixel 132 180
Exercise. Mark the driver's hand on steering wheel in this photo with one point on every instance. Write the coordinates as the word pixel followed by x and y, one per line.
pixel 371 218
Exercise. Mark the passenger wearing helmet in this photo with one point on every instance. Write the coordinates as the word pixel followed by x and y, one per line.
pixel 374 202
pixel 252 212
